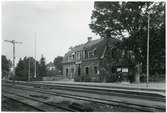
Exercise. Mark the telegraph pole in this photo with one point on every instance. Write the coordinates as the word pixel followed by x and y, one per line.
pixel 13 42
pixel 148 40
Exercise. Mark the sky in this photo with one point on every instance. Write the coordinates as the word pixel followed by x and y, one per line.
pixel 57 25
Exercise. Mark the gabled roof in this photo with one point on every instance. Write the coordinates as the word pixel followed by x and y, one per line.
pixel 82 46
pixel 75 49
pixel 90 44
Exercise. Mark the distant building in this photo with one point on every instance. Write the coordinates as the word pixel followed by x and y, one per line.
pixel 86 62
pixel 51 66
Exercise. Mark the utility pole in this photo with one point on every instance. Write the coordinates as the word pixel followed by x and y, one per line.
pixel 13 42
pixel 148 40
pixel 149 11
pixel 35 73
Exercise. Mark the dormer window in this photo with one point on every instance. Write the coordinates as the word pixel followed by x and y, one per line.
pixel 73 56
pixel 86 54
pixel 92 53
pixel 78 55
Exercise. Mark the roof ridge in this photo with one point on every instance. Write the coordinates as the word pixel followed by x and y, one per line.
pixel 83 44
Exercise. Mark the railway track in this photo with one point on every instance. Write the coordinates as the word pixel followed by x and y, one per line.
pixel 114 102
pixel 100 90
pixel 36 103
pixel 107 91
pixel 23 100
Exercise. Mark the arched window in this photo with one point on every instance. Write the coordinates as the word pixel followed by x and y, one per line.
pixel 87 70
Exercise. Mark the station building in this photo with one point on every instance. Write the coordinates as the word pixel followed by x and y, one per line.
pixel 86 62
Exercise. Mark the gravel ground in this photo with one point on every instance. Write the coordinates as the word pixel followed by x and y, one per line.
pixel 11 105
pixel 85 106
pixel 97 107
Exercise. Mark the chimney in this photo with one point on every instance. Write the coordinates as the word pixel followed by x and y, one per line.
pixel 89 39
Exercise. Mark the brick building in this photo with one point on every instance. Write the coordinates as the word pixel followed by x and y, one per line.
pixel 86 62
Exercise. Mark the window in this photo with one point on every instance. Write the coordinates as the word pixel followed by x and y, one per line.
pixel 86 54
pixel 95 52
pixel 78 56
pixel 72 57
pixel 67 72
pixel 95 70
pixel 87 70
pixel 91 54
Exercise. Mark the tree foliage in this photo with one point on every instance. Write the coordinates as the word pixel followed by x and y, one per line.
pixel 23 68
pixel 42 67
pixel 128 21
pixel 58 64
pixel 21 72
pixel 6 64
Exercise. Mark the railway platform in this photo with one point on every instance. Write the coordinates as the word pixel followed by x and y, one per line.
pixel 151 85
pixel 159 88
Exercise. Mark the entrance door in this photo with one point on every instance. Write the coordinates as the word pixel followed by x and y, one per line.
pixel 79 70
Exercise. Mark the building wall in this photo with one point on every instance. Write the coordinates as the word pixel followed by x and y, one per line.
pixel 90 70
pixel 53 78
pixel 79 70
pixel 69 70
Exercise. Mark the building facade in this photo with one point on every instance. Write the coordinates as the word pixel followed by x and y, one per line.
pixel 86 62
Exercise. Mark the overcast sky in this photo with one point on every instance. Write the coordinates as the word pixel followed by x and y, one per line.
pixel 58 24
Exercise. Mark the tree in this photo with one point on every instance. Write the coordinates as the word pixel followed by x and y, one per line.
pixel 21 72
pixel 58 64
pixel 42 68
pixel 23 68
pixel 128 21
pixel 6 64
pixel 51 71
